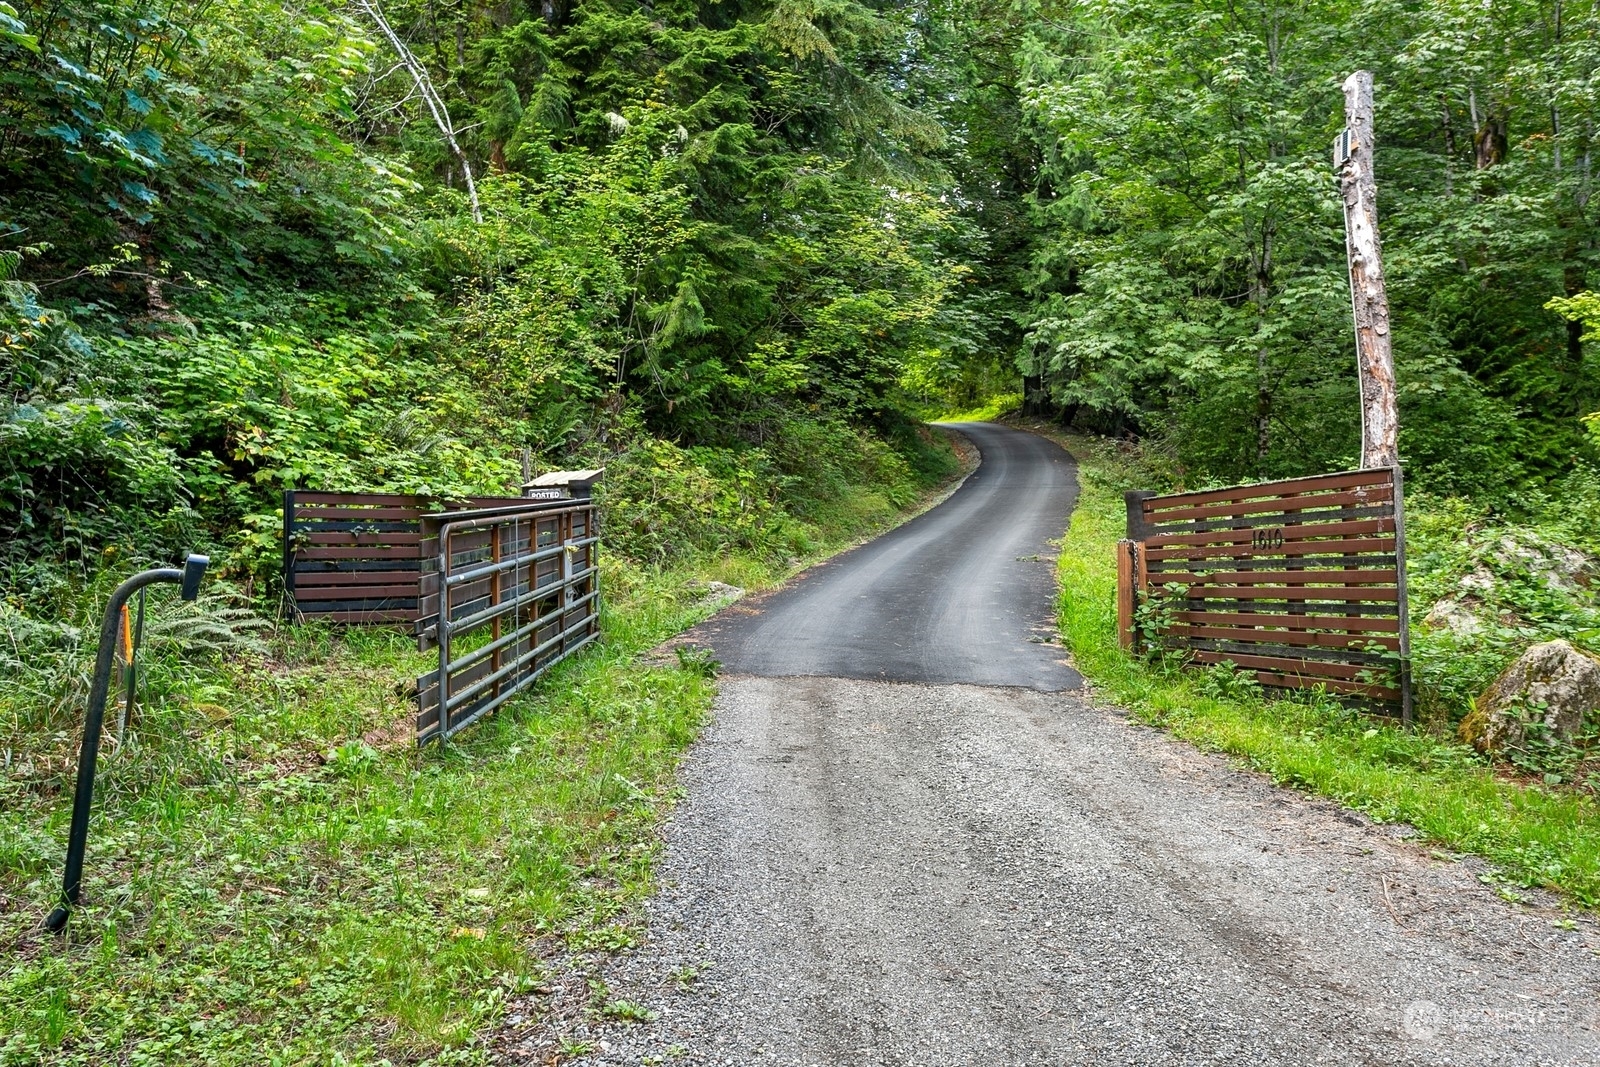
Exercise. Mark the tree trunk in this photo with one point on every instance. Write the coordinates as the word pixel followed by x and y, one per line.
pixel 1574 281
pixel 1490 143
pixel 1033 394
pixel 1449 151
pixel 1488 134
pixel 1369 302
pixel 1261 297
pixel 1555 138
pixel 1263 415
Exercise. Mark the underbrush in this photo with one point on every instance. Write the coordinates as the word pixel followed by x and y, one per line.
pixel 1534 833
pixel 989 409
pixel 277 875
pixel 809 483
pixel 187 440
pixel 1483 588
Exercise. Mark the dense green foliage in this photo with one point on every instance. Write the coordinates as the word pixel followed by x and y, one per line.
pixel 239 258
pixel 239 253
pixel 1191 279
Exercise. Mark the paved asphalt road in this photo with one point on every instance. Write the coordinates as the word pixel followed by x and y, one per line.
pixel 913 872
pixel 962 593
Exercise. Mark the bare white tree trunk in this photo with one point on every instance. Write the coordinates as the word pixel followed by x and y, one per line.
pixel 430 97
pixel 1369 302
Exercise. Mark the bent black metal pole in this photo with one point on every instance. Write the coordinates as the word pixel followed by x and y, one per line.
pixel 110 630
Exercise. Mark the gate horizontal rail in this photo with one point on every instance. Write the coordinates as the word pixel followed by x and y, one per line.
pixel 1301 582
pixel 507 595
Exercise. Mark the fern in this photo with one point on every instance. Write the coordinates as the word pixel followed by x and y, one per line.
pixel 220 622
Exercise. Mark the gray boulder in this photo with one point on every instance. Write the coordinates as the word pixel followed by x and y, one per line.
pixel 1452 615
pixel 1552 683
pixel 720 594
pixel 1561 569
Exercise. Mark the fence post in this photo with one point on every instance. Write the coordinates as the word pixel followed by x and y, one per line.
pixel 288 551
pixel 1130 565
pixel 1138 527
pixel 1125 599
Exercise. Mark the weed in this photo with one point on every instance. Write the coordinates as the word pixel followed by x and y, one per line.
pixel 352 758
pixel 1224 681
pixel 686 976
pixel 698 661
pixel 628 1011
pixel 1545 754
pixel 1153 617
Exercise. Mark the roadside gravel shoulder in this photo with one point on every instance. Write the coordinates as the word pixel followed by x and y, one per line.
pixel 874 873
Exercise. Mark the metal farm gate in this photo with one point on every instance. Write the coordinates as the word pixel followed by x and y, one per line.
pixel 503 587
pixel 1301 582
pixel 507 595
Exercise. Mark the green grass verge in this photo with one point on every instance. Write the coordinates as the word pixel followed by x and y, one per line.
pixel 358 902
pixel 277 876
pixel 1534 836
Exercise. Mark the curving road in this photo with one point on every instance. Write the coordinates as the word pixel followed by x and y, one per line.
pixel 964 593
pixel 906 840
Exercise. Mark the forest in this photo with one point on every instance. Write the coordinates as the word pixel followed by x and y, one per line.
pixel 737 252
pixel 252 246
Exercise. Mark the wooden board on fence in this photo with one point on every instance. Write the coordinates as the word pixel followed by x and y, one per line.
pixel 358 558
pixel 1300 582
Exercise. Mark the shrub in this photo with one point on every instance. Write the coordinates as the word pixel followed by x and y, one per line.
pixel 79 476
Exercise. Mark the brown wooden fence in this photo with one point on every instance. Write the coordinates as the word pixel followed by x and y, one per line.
pixel 358 557
pixel 1300 582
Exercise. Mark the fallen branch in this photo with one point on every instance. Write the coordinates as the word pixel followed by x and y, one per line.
pixel 430 97
pixel 1388 903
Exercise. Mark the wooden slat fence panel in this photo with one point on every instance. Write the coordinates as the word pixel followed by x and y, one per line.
pixel 357 558
pixel 1300 582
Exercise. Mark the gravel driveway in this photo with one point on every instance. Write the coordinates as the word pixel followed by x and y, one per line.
pixel 886 872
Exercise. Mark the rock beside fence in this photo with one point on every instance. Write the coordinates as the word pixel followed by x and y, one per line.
pixel 1552 684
